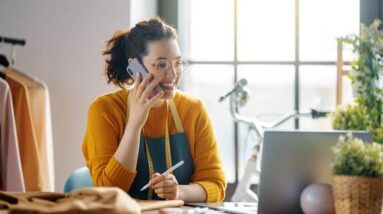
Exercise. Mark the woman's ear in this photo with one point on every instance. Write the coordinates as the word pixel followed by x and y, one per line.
pixel 130 60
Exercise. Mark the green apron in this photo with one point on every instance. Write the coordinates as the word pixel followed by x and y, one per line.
pixel 159 154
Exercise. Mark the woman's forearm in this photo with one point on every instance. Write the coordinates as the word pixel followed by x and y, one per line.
pixel 127 151
pixel 192 193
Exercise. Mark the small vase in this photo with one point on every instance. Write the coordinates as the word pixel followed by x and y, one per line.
pixel 317 198
pixel 357 194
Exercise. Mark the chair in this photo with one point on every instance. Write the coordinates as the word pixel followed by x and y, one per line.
pixel 78 179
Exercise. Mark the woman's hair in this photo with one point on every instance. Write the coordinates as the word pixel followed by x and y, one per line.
pixel 130 44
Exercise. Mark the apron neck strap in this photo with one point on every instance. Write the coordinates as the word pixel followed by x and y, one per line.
pixel 176 116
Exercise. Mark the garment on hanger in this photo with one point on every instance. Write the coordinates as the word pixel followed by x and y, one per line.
pixel 28 147
pixel 4 61
pixel 10 163
pixel 39 102
pixel 2 75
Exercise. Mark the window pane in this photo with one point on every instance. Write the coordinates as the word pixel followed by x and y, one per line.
pixel 208 83
pixel 268 84
pixel 272 94
pixel 321 22
pixel 317 90
pixel 266 30
pixel 212 30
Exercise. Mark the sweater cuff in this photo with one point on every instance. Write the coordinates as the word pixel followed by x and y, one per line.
pixel 212 191
pixel 117 173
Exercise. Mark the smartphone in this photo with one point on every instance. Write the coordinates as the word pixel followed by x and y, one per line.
pixel 136 67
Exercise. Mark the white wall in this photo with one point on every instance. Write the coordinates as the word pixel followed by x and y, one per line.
pixel 142 9
pixel 64 43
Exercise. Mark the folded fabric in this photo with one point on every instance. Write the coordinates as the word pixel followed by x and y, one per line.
pixel 85 200
pixel 147 205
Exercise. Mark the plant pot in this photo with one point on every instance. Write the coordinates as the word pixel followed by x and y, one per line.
pixel 357 194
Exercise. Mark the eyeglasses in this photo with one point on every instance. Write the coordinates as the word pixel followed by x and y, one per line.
pixel 163 65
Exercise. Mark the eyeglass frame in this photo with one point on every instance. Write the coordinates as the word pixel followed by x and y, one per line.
pixel 172 63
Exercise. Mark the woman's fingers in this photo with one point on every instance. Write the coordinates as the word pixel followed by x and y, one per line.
pixel 155 98
pixel 162 180
pixel 137 80
pixel 156 178
pixel 149 89
pixel 141 84
pixel 165 186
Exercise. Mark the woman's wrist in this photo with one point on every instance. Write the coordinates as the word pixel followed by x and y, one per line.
pixel 181 192
pixel 133 127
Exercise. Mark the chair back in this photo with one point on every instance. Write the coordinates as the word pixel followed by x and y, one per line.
pixel 78 179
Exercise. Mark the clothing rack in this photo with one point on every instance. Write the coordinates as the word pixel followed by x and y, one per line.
pixel 12 41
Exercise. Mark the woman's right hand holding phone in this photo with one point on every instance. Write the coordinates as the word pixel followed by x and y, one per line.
pixel 140 104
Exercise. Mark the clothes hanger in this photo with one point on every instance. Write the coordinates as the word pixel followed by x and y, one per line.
pixel 3 61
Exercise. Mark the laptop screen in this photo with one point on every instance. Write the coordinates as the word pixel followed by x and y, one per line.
pixel 291 160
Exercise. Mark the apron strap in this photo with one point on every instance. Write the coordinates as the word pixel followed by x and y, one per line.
pixel 176 116
pixel 168 154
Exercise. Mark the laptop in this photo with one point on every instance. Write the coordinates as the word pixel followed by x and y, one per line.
pixel 290 161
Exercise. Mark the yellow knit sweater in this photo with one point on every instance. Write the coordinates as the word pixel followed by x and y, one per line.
pixel 105 128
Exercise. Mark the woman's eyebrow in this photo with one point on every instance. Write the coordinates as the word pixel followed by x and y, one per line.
pixel 178 57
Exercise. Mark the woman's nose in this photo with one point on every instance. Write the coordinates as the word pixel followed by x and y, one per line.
pixel 171 72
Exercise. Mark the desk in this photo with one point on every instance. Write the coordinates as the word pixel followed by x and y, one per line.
pixel 225 207
pixel 184 210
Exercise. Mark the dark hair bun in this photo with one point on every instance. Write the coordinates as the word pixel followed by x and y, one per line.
pixel 130 44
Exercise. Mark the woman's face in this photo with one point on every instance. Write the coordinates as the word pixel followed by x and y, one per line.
pixel 163 61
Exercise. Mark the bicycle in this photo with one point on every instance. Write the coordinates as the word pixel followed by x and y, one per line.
pixel 239 96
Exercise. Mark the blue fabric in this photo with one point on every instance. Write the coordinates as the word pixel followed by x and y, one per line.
pixel 180 150
pixel 78 179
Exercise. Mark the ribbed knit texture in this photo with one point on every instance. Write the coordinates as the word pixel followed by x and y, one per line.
pixel 105 128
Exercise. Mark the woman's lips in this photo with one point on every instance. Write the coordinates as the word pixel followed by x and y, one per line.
pixel 167 86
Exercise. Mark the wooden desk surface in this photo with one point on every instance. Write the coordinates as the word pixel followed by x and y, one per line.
pixel 181 210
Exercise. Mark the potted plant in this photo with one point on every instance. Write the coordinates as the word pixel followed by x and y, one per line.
pixel 367 111
pixel 357 176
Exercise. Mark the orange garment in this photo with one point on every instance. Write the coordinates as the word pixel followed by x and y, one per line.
pixel 10 163
pixel 106 124
pixel 38 100
pixel 28 146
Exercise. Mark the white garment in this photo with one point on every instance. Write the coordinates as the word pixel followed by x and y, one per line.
pixel 10 167
pixel 49 138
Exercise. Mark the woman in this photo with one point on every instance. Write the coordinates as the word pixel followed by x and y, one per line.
pixel 131 138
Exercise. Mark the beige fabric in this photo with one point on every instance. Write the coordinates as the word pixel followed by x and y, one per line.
pixel 10 167
pixel 157 204
pixel 87 200
pixel 40 113
pixel 29 153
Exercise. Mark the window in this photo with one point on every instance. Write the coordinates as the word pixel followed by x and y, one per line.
pixel 286 49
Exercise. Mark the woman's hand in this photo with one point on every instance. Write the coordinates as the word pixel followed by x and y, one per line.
pixel 165 186
pixel 140 103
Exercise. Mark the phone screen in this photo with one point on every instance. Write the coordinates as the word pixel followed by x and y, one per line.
pixel 136 67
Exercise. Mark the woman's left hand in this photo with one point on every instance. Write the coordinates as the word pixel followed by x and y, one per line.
pixel 165 186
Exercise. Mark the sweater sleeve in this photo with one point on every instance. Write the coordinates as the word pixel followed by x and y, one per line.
pixel 208 167
pixel 99 145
